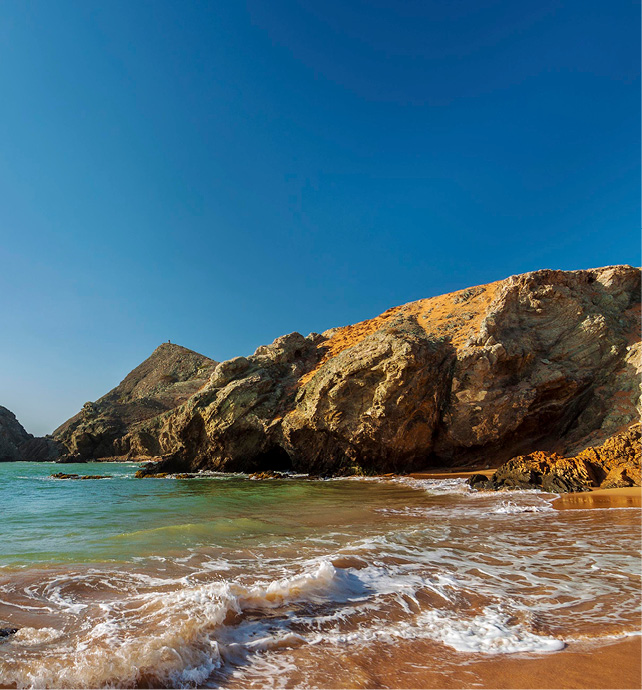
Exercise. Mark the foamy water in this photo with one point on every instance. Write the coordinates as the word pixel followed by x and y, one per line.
pixel 232 583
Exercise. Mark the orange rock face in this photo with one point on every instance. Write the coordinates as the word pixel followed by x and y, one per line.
pixel 614 464
pixel 618 457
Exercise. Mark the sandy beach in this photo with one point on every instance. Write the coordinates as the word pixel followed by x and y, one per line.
pixel 612 665
pixel 629 497
pixel 363 582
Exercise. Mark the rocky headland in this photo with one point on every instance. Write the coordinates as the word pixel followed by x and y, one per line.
pixel 17 444
pixel 540 369
pixel 546 362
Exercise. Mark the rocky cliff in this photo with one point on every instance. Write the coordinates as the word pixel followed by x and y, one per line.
pixel 12 436
pixel 545 361
pixel 17 444
pixel 115 425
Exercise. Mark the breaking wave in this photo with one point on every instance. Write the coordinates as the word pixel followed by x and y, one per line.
pixel 179 638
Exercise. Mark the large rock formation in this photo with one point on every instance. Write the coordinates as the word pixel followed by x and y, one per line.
pixel 17 444
pixel 546 361
pixel 114 425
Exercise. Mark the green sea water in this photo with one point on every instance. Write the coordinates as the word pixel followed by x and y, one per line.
pixel 46 520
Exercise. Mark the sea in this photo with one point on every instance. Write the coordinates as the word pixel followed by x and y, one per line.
pixel 222 581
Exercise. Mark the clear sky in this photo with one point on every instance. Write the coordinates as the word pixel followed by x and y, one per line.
pixel 222 173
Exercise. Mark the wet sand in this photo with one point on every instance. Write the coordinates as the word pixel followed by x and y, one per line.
pixel 451 473
pixel 616 665
pixel 420 664
pixel 630 497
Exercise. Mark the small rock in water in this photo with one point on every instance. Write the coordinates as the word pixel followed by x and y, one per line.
pixel 268 474
pixel 62 475
pixel 6 632
pixel 480 482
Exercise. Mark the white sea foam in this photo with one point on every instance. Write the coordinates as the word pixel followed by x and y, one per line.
pixel 55 597
pixel 512 508
pixel 178 645
pixel 491 632
pixel 35 636
pixel 456 485
pixel 181 637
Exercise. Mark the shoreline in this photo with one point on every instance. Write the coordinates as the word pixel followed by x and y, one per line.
pixel 626 497
pixel 147 584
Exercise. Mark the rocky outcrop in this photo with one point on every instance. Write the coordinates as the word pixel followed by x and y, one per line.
pixel 617 461
pixel 374 406
pixel 62 475
pixel 114 425
pixel 546 361
pixel 234 422
pixel 614 464
pixel 17 444
pixel 12 436
pixel 552 365
pixel 41 449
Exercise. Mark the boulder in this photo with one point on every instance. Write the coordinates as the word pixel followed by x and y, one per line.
pixel 62 475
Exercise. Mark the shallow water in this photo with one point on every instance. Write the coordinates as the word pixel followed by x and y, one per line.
pixel 227 582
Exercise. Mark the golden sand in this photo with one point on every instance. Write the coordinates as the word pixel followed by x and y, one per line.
pixel 629 497
pixel 419 664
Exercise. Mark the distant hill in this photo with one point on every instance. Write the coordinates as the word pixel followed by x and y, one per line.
pixel 105 428
pixel 12 436
pixel 17 444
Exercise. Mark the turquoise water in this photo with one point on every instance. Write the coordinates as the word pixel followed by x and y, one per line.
pixel 52 520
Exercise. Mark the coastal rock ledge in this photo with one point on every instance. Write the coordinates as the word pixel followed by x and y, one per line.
pixel 545 362
pixel 614 464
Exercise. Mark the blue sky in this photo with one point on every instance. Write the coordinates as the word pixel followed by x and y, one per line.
pixel 221 173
